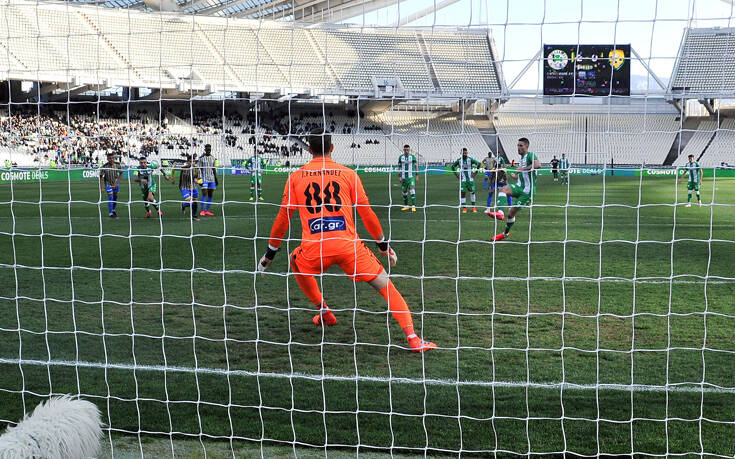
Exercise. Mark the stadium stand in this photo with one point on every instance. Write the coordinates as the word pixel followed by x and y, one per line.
pixel 705 65
pixel 720 151
pixel 699 141
pixel 173 51
pixel 641 132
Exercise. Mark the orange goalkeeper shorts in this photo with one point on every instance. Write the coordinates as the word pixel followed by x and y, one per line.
pixel 360 264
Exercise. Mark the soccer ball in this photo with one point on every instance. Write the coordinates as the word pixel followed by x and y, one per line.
pixel 165 163
pixel 154 164
pixel 200 181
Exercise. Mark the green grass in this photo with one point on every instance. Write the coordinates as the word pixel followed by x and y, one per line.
pixel 577 302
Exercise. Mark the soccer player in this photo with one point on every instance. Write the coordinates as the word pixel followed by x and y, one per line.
pixel 564 163
pixel 110 174
pixel 496 178
pixel 555 168
pixel 467 170
pixel 694 173
pixel 256 166
pixel 488 164
pixel 188 175
pixel 524 189
pixel 326 195
pixel 408 169
pixel 144 176
pixel 208 178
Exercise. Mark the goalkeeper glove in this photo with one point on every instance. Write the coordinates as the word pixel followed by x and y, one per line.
pixel 387 251
pixel 267 259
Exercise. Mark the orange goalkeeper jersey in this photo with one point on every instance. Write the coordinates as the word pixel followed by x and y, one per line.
pixel 326 194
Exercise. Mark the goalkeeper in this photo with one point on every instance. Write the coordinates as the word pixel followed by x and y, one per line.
pixel 327 195
pixel 524 189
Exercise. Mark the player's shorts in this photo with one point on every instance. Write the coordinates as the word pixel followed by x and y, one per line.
pixel 408 183
pixel 693 186
pixel 494 185
pixel 149 189
pixel 189 194
pixel 521 199
pixel 468 185
pixel 255 179
pixel 563 173
pixel 209 185
pixel 112 189
pixel 361 264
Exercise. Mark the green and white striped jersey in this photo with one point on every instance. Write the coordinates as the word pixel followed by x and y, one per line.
pixel 146 174
pixel 466 167
pixel 694 170
pixel 564 164
pixel 406 165
pixel 527 179
pixel 256 166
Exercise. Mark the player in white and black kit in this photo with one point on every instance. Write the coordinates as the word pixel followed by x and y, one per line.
pixel 208 178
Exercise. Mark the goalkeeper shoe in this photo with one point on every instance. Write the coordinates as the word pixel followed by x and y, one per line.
pixel 404 208
pixel 148 214
pixel 500 237
pixel 499 215
pixel 325 317
pixel 419 345
pixel 413 208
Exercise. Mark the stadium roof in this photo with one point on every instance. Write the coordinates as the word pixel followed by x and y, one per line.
pixel 302 10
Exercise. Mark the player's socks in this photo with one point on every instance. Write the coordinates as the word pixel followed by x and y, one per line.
pixel 114 203
pixel 252 193
pixel 413 197
pixel 194 207
pixel 490 199
pixel 405 200
pixel 699 198
pixel 398 307
pixel 689 196
pixel 509 225
pixel 473 199
pixel 110 206
pixel 309 286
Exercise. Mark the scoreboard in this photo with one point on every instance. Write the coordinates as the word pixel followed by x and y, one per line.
pixel 588 70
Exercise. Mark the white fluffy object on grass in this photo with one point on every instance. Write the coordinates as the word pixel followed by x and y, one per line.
pixel 61 427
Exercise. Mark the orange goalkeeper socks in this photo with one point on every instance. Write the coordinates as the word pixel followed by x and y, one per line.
pixel 398 308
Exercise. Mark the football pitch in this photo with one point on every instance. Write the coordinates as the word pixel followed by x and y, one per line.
pixel 596 329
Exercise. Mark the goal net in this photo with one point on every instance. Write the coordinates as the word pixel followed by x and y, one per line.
pixel 587 309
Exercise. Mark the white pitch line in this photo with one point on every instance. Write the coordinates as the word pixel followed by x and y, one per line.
pixel 693 388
